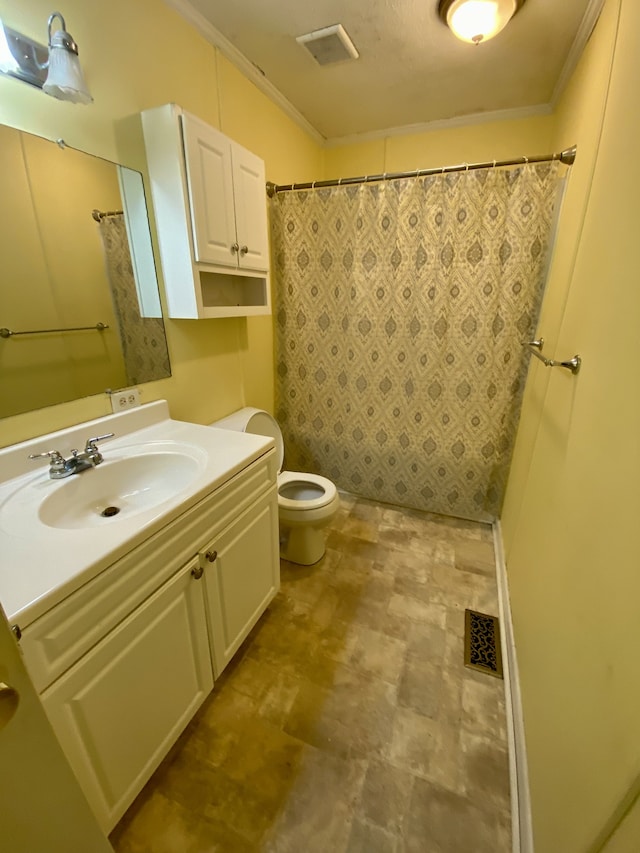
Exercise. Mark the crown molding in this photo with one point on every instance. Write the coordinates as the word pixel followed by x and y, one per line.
pixel 251 71
pixel 589 20
pixel 442 124
pixel 257 77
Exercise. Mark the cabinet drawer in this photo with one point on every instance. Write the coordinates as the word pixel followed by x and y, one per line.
pixel 58 639
pixel 118 711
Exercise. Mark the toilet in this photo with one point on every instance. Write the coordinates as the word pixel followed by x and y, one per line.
pixel 306 502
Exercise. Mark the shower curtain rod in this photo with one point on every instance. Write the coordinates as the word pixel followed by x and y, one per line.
pixel 100 214
pixel 567 157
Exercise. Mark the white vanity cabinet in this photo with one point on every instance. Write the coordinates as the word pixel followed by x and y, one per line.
pixel 120 708
pixel 209 200
pixel 123 663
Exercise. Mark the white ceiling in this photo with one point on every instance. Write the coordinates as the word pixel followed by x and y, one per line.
pixel 411 70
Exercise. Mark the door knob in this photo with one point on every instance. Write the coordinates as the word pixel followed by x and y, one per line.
pixel 244 250
pixel 211 556
pixel 234 248
pixel 9 699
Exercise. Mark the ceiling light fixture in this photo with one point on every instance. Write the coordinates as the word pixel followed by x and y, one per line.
pixel 56 69
pixel 476 21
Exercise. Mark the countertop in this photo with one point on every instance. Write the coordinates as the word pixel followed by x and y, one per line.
pixel 41 565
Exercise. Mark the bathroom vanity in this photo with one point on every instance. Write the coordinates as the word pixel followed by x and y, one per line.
pixel 125 620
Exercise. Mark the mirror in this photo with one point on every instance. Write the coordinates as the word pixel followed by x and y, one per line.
pixel 79 304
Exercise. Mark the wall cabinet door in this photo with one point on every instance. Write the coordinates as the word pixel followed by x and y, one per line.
pixel 249 190
pixel 120 708
pixel 242 572
pixel 208 161
pixel 227 199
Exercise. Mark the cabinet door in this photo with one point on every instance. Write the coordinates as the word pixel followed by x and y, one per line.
pixel 208 160
pixel 120 708
pixel 249 190
pixel 242 571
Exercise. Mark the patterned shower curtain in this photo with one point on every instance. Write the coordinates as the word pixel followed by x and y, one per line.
pixel 143 340
pixel 401 311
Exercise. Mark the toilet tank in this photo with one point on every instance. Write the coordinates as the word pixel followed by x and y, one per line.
pixel 256 422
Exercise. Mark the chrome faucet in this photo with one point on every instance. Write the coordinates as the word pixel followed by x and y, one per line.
pixel 78 461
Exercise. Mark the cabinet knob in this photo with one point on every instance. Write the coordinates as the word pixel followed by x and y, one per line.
pixel 244 250
pixel 197 572
pixel 234 248
pixel 211 556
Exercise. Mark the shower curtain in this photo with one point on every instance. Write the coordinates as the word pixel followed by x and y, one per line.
pixel 401 309
pixel 143 341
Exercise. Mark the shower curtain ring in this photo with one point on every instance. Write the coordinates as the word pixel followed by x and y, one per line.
pixel 494 164
pixel 526 160
pixel 466 167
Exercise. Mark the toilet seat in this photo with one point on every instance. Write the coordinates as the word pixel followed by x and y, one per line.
pixel 312 482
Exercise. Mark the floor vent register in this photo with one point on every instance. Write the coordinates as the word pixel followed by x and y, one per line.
pixel 482 643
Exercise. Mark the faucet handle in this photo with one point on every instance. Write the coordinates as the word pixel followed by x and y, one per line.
pixel 56 459
pixel 52 454
pixel 91 447
pixel 91 442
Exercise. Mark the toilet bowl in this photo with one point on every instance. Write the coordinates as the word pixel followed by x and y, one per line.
pixel 306 502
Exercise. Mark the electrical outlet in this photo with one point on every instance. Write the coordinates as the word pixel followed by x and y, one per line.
pixel 128 398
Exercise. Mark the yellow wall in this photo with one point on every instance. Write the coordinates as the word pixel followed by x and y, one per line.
pixel 496 140
pixel 572 505
pixel 625 835
pixel 577 120
pixel 135 56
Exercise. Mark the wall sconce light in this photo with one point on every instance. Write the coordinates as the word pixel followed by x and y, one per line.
pixel 56 69
pixel 476 21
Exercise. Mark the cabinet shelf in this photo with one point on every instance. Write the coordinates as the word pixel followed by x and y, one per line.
pixel 233 295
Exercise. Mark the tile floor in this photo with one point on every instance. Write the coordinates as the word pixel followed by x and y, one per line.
pixel 347 721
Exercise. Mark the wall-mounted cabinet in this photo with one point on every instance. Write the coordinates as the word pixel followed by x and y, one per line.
pixel 210 206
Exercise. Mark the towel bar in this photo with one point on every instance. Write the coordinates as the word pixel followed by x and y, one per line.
pixel 99 327
pixel 535 348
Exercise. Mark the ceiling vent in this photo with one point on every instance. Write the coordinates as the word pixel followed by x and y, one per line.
pixel 328 45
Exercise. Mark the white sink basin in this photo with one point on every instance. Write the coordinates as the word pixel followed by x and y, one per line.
pixel 114 491
pixel 133 479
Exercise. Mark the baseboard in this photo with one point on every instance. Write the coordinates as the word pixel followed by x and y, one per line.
pixel 522 832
